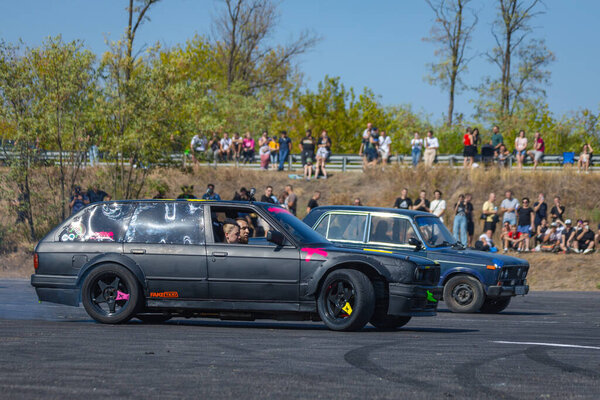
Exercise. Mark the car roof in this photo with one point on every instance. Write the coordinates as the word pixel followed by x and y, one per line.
pixel 212 202
pixel 411 213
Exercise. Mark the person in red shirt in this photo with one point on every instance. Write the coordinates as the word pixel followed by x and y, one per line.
pixel 538 150
pixel 514 240
pixel 469 148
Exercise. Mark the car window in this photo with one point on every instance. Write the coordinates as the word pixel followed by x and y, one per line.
pixel 167 223
pixel 105 222
pixel 347 227
pixel 253 227
pixel 322 226
pixel 386 229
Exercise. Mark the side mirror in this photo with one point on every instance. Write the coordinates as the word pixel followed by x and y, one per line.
pixel 276 237
pixel 415 242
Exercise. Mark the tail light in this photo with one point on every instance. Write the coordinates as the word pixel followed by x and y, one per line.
pixel 36 261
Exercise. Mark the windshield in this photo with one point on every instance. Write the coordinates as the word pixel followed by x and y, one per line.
pixel 301 232
pixel 434 232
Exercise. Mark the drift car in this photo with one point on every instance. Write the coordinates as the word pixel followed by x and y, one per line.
pixel 162 258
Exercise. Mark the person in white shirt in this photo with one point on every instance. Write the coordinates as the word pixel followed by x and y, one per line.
pixel 385 143
pixel 431 148
pixel 225 146
pixel 416 145
pixel 438 206
pixel 198 147
pixel 485 242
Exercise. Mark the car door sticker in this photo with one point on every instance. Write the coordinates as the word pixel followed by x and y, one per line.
pixel 277 210
pixel 311 251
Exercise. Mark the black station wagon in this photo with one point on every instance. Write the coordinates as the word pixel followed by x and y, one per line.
pixel 472 280
pixel 154 259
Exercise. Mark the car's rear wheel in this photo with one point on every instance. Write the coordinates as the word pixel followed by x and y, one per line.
pixel 110 294
pixel 388 322
pixel 153 318
pixel 346 300
pixel 463 294
pixel 495 305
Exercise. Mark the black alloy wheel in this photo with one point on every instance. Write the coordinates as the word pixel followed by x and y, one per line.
pixel 463 294
pixel 347 300
pixel 110 294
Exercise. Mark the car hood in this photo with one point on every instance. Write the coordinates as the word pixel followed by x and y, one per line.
pixel 474 257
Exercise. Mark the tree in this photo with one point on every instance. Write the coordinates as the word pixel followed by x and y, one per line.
pixel 138 13
pixel 452 33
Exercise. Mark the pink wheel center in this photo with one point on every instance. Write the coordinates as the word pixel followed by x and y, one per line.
pixel 122 296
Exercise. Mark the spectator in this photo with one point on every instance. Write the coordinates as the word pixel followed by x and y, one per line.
pixel 264 152
pixel 357 202
pixel 266 198
pixel 540 232
pixel 485 242
pixel 520 148
pixel 514 240
pixel 285 147
pixel 505 231
pixel 198 145
pixel 584 241
pixel 459 228
pixel 96 195
pixel 497 139
pixel 307 149
pixel 308 168
pixel 487 153
pixel 323 151
pixel 541 210
pixel 244 195
pixel 468 148
pixel 291 200
pixel 568 234
pixel 263 139
pixel 431 148
pixel 509 207
pixel 490 214
pixel 476 140
pixel 213 145
pixel 502 156
pixel 248 148
pixel 470 222
pixel 438 206
pixel 210 193
pixel 274 151
pixel 312 203
pixel 421 204
pixel 416 145
pixel 225 145
pixel 237 144
pixel 78 200
pixel 552 238
pixel 363 144
pixel 558 210
pixel 371 147
pixel 403 202
pixel 385 145
pixel 538 150
pixel 597 237
pixel 585 157
pixel 526 222
pixel 187 192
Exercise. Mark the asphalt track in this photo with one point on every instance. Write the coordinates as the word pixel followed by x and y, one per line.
pixel 544 346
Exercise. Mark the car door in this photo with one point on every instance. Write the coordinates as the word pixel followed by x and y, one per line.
pixel 166 239
pixel 257 271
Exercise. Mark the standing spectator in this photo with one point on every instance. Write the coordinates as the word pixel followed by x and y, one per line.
pixel 264 152
pixel 502 156
pixel 263 139
pixel 96 195
pixel 248 148
pixel 521 148
pixel 558 210
pixel 584 241
pixel 371 147
pixel 385 145
pixel 213 145
pixel 459 228
pixel 363 144
pixel 198 145
pixel 307 149
pixel 403 202
pixel 323 151
pixel 497 139
pixel 237 143
pixel 266 198
pixel 541 210
pixel 438 205
pixel 476 142
pixel 274 150
pixel 312 203
pixel 357 202
pixel 78 200
pixel 469 213
pixel 210 193
pixel 468 148
pixel 585 157
pixel 225 147
pixel 421 204
pixel 285 147
pixel 526 222
pixel 431 148
pixel 509 208
pixel 291 199
pixel 538 149
pixel 490 214
pixel 416 145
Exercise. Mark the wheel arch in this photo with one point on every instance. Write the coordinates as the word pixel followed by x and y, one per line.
pixel 370 271
pixel 112 258
pixel 461 271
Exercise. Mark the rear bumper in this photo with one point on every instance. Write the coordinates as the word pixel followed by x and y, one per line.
pixel 503 291
pixel 56 289
pixel 413 300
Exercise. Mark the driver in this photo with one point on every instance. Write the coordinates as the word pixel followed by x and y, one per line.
pixel 244 230
pixel 232 231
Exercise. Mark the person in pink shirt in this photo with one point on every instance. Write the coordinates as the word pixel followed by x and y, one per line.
pixel 538 150
pixel 248 148
pixel 521 148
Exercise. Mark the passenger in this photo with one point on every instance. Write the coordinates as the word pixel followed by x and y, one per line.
pixel 232 231
pixel 380 234
pixel 244 230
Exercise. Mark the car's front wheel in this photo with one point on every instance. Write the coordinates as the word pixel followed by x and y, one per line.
pixel 346 300
pixel 495 305
pixel 110 294
pixel 463 294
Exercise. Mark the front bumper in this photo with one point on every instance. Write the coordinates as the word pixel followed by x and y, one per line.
pixel 59 289
pixel 503 291
pixel 413 300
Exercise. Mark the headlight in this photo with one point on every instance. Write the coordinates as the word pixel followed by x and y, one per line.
pixel 418 274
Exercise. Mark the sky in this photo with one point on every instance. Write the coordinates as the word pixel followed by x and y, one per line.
pixel 376 44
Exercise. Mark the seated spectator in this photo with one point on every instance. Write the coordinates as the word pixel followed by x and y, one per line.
pixel 225 147
pixel 308 168
pixel 505 231
pixel 597 237
pixel 214 147
pixel 502 156
pixel 248 148
pixel 538 150
pixel 521 148
pixel 567 233
pixel 485 242
pixel 585 157
pixel 236 145
pixel 584 241
pixel 540 232
pixel 198 145
pixel 231 231
pixel 264 153
pixel 514 240
pixel 552 239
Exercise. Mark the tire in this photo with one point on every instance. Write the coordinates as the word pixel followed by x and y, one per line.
pixel 388 322
pixel 463 294
pixel 495 305
pixel 111 294
pixel 342 288
pixel 153 318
